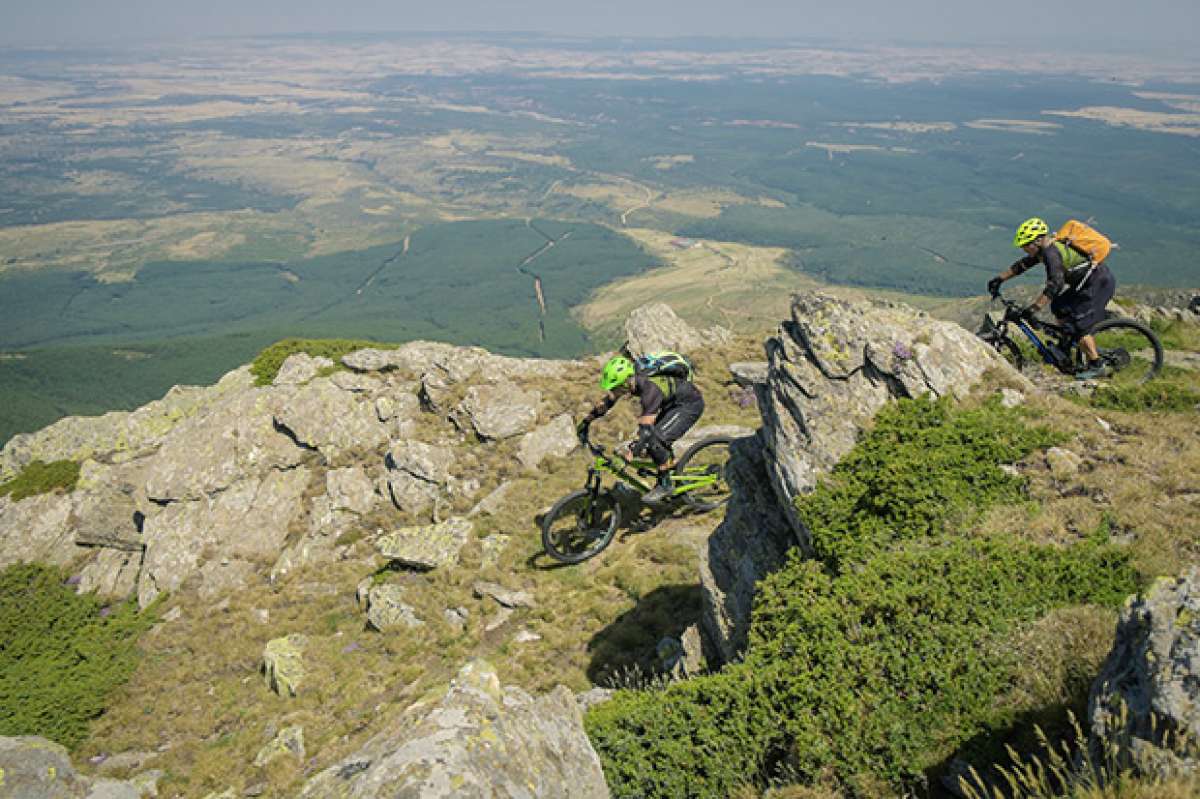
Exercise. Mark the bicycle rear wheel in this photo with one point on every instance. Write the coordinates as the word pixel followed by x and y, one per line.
pixel 1129 349
pixel 704 467
pixel 580 526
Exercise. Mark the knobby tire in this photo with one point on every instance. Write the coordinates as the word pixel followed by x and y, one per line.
pixel 576 538
pixel 713 454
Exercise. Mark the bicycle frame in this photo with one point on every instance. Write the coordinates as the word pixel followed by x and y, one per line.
pixel 618 467
pixel 1060 360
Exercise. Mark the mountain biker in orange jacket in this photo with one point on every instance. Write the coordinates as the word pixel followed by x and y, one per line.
pixel 1077 297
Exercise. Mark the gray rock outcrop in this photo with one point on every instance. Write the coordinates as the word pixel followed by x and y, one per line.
pixel 426 546
pixel 283 664
pixel 500 411
pixel 556 439
pixel 655 328
pixel 418 473
pixel 387 610
pixel 299 369
pixel 35 768
pixel 1146 700
pixel 335 422
pixel 479 740
pixel 831 367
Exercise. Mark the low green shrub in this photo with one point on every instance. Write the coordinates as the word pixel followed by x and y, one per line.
pixel 39 477
pixel 880 658
pixel 61 653
pixel 1155 396
pixel 267 363
pixel 922 465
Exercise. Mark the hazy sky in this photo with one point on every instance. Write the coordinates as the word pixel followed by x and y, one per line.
pixel 1100 23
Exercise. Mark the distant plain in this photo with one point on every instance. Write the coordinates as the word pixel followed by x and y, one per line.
pixel 164 214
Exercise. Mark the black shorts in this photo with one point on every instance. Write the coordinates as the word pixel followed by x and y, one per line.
pixel 676 420
pixel 1081 309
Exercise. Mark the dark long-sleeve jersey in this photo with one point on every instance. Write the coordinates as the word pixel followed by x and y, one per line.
pixel 1056 274
pixel 651 395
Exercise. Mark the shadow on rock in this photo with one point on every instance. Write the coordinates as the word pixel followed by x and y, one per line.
pixel 627 649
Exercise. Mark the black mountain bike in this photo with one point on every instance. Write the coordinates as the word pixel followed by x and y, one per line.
pixel 582 524
pixel 1125 345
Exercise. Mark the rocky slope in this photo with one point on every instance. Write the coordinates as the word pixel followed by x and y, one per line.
pixel 391 465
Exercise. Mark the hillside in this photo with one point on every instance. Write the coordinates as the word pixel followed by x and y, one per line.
pixel 248 522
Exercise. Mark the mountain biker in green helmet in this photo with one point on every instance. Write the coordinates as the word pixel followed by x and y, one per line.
pixel 1077 296
pixel 670 406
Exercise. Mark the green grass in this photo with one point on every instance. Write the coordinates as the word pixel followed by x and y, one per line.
pixel 878 659
pixel 267 363
pixel 61 654
pixel 42 478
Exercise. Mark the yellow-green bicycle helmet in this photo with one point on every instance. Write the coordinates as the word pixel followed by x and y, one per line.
pixel 616 372
pixel 1029 230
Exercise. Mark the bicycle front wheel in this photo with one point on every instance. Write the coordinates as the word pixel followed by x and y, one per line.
pixel 580 525
pixel 1129 349
pixel 703 473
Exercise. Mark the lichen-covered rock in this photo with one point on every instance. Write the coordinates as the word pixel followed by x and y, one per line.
pixel 36 529
pixel 283 664
pixel 35 768
pixel 554 440
pixel 249 520
pixel 337 423
pixel 300 368
pixel 480 740
pixel 831 367
pixel 1063 463
pixel 356 382
pixel 748 374
pixel 698 434
pixel 1148 691
pixel 655 328
pixel 417 474
pixel 351 490
pixel 507 597
pixel 426 546
pixel 494 501
pixel 501 410
pixel 118 435
pixel 233 439
pixel 387 610
pixel 288 743
pixel 752 541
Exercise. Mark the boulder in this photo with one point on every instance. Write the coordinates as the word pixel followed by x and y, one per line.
pixel 831 367
pixel 426 546
pixel 337 423
pixel 288 743
pixel 505 596
pixel 655 327
pixel 480 740
pixel 118 435
pixel 386 609
pixel 233 439
pixel 493 502
pixel 697 434
pixel 37 529
pixel 418 474
pixel 300 368
pixel 351 490
pixel 554 440
pixel 356 382
pixel 283 664
pixel 35 768
pixel 500 410
pixel 748 374
pixel 1147 695
pixel 250 520
pixel 1063 463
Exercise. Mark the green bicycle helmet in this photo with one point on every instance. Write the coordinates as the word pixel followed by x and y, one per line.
pixel 616 372
pixel 1029 230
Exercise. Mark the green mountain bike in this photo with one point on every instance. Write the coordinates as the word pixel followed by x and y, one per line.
pixel 583 523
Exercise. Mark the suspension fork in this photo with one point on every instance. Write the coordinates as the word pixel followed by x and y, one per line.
pixel 1046 354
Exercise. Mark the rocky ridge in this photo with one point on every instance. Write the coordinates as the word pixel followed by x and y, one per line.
pixel 216 488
